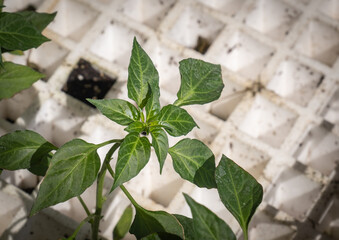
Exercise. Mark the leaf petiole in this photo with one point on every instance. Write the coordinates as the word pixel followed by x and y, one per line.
pixel 88 219
pixel 128 195
pixel 109 142
pixel 83 204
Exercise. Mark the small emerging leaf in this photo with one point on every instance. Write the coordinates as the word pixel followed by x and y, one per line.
pixel 238 190
pixel 175 120
pixel 124 224
pixel 160 145
pixel 16 33
pixel 141 73
pixel 194 161
pixel 74 167
pixel 21 149
pixel 133 155
pixel 201 82
pixel 15 78
pixel 136 127
pixel 206 224
pixel 149 222
pixel 119 111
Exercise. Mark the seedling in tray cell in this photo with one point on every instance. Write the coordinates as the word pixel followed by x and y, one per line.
pixel 69 170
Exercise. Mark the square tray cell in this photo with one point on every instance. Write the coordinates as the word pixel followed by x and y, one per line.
pixel 264 227
pixel 140 10
pixel 330 8
pixel 267 121
pixel 295 82
pixel 194 28
pixel 73 20
pixel 319 150
pixel 14 107
pixel 273 18
pixel 231 95
pixel 10 205
pixel 20 5
pixel 329 221
pixel 114 43
pixel 293 193
pixel 241 53
pixel 54 121
pixel 320 42
pixel 230 7
pixel 40 58
pixel 332 109
pixel 86 82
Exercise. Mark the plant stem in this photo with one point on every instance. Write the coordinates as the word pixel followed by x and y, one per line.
pixel 88 219
pixel 100 186
pixel 128 195
pixel 245 235
pixel 83 204
pixel 108 142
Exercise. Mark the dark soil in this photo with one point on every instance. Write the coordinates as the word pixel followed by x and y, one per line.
pixel 202 45
pixel 87 82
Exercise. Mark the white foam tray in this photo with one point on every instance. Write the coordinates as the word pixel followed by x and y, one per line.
pixel 278 115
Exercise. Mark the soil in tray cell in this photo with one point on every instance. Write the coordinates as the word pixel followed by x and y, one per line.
pixel 87 82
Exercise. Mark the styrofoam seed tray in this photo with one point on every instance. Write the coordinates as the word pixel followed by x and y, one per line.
pixel 277 117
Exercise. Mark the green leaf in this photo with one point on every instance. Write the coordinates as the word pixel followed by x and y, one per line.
pixel 40 165
pixel 141 72
pixel 160 145
pixel 238 190
pixel 133 155
pixel 16 33
pixel 190 158
pixel 153 236
pixel 15 78
pixel 149 222
pixel 187 223
pixel 119 111
pixel 201 82
pixel 161 236
pixel 73 169
pixel 153 104
pixel 206 224
pixel 1 62
pixel 19 149
pixel 39 20
pixel 175 120
pixel 124 224
pixel 136 127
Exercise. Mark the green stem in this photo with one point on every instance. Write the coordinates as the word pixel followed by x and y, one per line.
pixel 83 204
pixel 109 142
pixel 245 235
pixel 100 186
pixel 75 233
pixel 128 195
